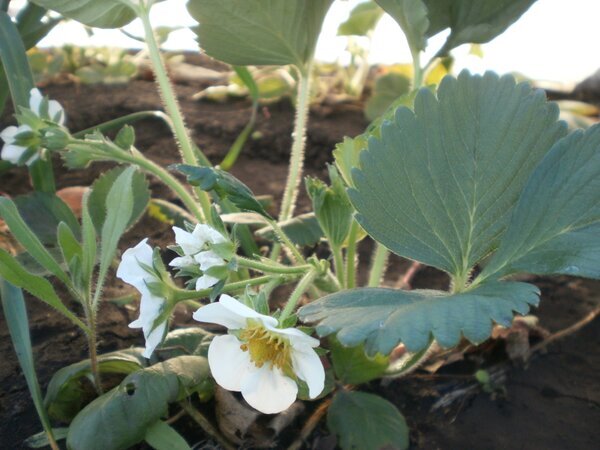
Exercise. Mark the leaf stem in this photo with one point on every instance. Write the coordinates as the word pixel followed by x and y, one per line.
pixel 338 264
pixel 297 155
pixel 285 240
pixel 351 256
pixel 185 294
pixel 378 265
pixel 303 285
pixel 272 268
pixel 188 153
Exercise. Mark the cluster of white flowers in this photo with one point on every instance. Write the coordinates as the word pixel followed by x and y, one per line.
pixel 44 109
pixel 256 357
pixel 195 252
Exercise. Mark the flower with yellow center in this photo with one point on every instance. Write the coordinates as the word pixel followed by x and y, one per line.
pixel 258 359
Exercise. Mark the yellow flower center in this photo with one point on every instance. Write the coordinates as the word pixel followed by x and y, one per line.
pixel 266 346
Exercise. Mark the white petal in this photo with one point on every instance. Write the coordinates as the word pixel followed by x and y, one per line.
pixel 12 153
pixel 296 336
pixel 151 307
pixel 268 390
pixel 208 259
pixel 183 261
pixel 35 101
pixel 8 134
pixel 206 233
pixel 153 339
pixel 56 112
pixel 130 270
pixel 241 310
pixel 308 366
pixel 205 281
pixel 229 364
pixel 217 313
pixel 188 242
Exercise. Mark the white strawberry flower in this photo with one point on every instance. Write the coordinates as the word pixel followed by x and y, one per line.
pixel 11 151
pixel 44 109
pixel 135 269
pixel 196 251
pixel 258 359
pixel 53 111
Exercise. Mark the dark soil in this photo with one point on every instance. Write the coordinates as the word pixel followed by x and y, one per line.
pixel 552 402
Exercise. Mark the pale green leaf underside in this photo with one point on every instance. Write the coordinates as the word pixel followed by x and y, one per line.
pixel 94 13
pixel 555 228
pixel 363 19
pixel 475 21
pixel 259 32
pixel 366 422
pixel 439 185
pixel 411 15
pixel 382 318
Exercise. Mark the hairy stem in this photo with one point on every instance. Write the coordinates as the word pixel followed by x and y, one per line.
pixel 338 265
pixel 351 256
pixel 272 268
pixel 303 285
pixel 378 265
pixel 188 153
pixel 297 156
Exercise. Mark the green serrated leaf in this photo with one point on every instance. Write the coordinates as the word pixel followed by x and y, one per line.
pixel 353 366
pixel 66 392
pixel 121 417
pixel 103 14
pixel 387 89
pixel 555 227
pixel 259 32
pixel 472 21
pixel 161 436
pixel 37 286
pixel 439 185
pixel 366 422
pixel 103 185
pixel 382 318
pixel 362 20
pixel 411 15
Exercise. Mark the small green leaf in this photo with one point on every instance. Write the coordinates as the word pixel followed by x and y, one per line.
pixel 125 137
pixel 472 21
pixel 225 185
pixel 303 230
pixel 411 15
pixel 387 89
pixel 102 186
pixel 69 245
pixel 15 314
pixel 555 228
pixel 121 417
pixel 444 197
pixel 29 241
pixel 43 212
pixel 362 20
pixel 259 32
pixel 382 318
pixel 37 286
pixel 67 393
pixel 332 207
pixel 103 14
pixel 89 243
pixel 353 366
pixel 186 341
pixel 366 422
pixel 161 436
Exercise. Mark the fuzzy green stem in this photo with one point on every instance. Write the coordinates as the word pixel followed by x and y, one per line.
pixel 125 120
pixel 418 71
pixel 378 265
pixel 351 256
pixel 303 285
pixel 170 101
pixel 338 265
pixel 285 240
pixel 180 295
pixel 271 268
pixel 297 155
